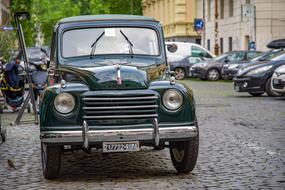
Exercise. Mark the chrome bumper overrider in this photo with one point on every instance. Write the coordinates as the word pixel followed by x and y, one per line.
pixel 85 136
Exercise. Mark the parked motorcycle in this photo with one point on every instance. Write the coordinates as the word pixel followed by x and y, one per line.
pixel 13 76
pixel 12 84
pixel 38 59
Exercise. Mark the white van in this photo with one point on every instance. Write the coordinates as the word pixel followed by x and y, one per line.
pixel 187 49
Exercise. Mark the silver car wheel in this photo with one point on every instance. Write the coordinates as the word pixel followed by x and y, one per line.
pixel 213 74
pixel 179 73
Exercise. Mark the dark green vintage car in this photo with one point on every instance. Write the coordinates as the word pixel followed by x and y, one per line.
pixel 110 91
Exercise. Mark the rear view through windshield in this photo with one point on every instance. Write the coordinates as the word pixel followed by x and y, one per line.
pixel 137 41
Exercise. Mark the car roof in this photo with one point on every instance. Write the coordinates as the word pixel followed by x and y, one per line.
pixel 106 17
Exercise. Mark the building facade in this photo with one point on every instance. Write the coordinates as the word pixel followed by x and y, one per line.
pixel 176 17
pixel 241 23
pixel 4 11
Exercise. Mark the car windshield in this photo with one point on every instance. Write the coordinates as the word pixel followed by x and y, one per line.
pixel 266 56
pixel 221 57
pixel 124 40
pixel 279 57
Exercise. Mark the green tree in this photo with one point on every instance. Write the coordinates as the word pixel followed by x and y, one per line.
pixel 45 13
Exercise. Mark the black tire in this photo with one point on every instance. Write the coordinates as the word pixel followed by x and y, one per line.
pixel 256 94
pixel 179 73
pixel 268 89
pixel 213 75
pixel 51 161
pixel 184 154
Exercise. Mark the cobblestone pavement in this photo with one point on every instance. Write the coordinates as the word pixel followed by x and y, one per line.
pixel 242 146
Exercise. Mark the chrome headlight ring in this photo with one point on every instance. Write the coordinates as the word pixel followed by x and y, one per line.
pixel 172 99
pixel 64 103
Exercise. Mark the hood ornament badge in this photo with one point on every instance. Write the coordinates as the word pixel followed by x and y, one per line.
pixel 119 79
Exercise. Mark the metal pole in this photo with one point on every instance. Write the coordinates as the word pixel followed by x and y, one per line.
pixel 216 28
pixel 204 32
pixel 31 95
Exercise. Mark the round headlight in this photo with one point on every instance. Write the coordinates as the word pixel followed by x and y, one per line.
pixel 64 103
pixel 172 99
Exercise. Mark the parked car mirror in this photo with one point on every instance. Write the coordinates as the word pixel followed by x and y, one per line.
pixel 226 60
pixel 171 48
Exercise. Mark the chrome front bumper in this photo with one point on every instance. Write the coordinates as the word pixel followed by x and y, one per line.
pixel 86 136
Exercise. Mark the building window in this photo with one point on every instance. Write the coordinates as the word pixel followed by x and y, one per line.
pixel 247 1
pixel 231 8
pixel 209 9
pixel 222 9
pixel 230 44
pixel 221 45
pixel 209 44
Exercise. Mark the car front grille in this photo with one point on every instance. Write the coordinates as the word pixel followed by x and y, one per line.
pixel 116 109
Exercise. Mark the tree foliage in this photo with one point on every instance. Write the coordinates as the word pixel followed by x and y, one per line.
pixel 45 13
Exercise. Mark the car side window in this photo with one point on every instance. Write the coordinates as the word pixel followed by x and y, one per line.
pixel 194 60
pixel 251 55
pixel 198 52
pixel 237 56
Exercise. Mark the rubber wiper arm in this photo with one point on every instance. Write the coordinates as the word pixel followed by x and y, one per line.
pixel 93 46
pixel 130 43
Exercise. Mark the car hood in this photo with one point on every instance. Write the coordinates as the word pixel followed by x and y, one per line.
pixel 251 67
pixel 280 69
pixel 106 76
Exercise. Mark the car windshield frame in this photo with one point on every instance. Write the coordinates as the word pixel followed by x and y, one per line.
pixel 157 51
pixel 279 57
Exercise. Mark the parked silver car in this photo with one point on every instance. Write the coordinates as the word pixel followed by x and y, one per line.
pixel 278 80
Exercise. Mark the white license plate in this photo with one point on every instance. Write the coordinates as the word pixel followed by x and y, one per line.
pixel 130 146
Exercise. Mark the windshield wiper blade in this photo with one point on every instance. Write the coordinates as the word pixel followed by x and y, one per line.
pixel 93 46
pixel 130 43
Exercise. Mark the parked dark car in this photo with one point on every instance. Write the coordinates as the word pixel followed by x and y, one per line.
pixel 212 69
pixel 181 67
pixel 256 79
pixel 231 69
pixel 112 93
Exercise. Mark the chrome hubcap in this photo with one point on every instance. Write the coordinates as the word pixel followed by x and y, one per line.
pixel 179 74
pixel 213 75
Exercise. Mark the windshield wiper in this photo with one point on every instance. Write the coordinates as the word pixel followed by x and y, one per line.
pixel 129 42
pixel 93 46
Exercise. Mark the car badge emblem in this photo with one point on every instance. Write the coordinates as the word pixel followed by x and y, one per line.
pixel 278 74
pixel 119 79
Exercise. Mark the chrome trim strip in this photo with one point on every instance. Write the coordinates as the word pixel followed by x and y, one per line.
pixel 85 133
pixel 119 116
pixel 119 107
pixel 156 132
pixel 123 98
pixel 165 133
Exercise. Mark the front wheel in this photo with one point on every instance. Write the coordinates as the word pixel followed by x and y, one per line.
pixel 179 73
pixel 213 75
pixel 268 89
pixel 184 154
pixel 51 160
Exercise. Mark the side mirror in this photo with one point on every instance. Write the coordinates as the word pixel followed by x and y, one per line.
pixel 226 60
pixel 171 48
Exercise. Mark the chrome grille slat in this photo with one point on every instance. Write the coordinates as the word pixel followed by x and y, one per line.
pixel 104 108
pixel 120 116
pixel 117 102
pixel 119 107
pixel 120 98
pixel 100 112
